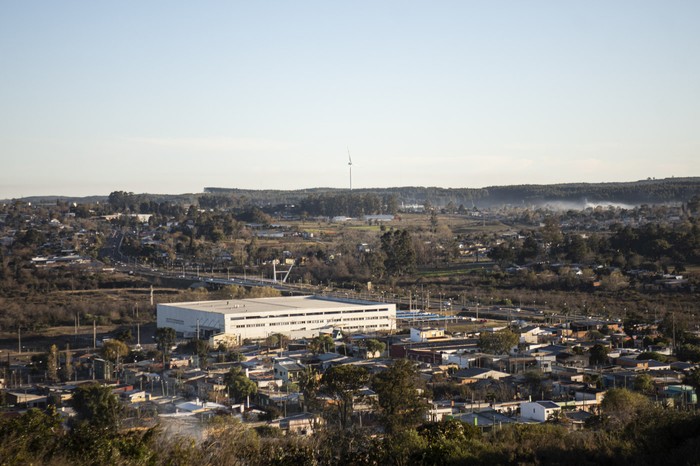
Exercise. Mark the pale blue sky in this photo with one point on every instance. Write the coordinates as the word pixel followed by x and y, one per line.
pixel 169 97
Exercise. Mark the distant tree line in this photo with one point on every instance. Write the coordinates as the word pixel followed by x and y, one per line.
pixel 650 246
pixel 637 192
pixel 348 204
pixel 332 202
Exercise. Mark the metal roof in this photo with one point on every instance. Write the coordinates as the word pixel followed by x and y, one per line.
pixel 282 303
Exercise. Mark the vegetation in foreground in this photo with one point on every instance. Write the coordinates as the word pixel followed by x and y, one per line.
pixel 630 430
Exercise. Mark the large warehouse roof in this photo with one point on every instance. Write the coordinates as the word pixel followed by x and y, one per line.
pixel 237 306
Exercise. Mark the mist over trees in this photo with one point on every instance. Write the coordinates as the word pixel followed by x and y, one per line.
pixel 648 191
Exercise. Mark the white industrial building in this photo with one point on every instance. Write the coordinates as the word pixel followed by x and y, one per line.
pixel 257 318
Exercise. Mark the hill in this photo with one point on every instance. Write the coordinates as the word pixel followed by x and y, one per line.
pixel 566 195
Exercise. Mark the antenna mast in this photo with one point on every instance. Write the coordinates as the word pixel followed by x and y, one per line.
pixel 350 166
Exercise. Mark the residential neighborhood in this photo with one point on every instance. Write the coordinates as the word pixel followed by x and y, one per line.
pixel 548 373
pixel 196 319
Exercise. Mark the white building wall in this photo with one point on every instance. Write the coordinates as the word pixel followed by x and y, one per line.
pixel 299 323
pixel 185 321
pixel 532 411
pixel 294 321
pixel 462 359
pixel 422 334
pixel 536 412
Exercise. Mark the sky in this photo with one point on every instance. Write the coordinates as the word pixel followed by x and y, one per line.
pixel 172 96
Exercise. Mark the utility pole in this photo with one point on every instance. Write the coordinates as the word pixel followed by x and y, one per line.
pixel 673 326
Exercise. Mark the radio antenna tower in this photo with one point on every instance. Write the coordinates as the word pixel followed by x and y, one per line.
pixel 350 166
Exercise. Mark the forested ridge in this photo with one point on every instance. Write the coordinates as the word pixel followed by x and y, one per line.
pixel 635 192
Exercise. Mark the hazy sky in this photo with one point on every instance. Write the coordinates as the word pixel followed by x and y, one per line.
pixel 169 97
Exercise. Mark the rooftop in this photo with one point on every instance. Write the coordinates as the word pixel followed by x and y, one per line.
pixel 283 303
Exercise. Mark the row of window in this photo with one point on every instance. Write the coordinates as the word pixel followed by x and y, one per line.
pixel 275 324
pixel 353 327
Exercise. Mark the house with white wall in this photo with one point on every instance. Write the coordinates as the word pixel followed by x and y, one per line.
pixel 538 411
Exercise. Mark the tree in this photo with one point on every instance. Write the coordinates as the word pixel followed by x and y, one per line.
pixel 529 250
pixel 693 378
pixel 575 248
pixel 694 205
pixel 124 335
pixel 499 342
pixel 503 254
pixel 375 264
pixel 433 221
pixel 52 364
pixel 239 386
pixel 551 233
pixel 614 282
pixel 230 292
pixel 165 338
pixel 400 254
pixel 599 354
pixel 533 381
pixel 235 356
pixel 263 292
pixel 201 349
pixel 342 384
pixel 310 383
pixel 67 369
pixel 114 350
pixel 647 355
pixel 277 340
pixel 448 442
pixel 34 435
pixel 644 383
pixel 391 204
pixel 688 352
pixel 593 335
pixel 621 407
pixel 374 346
pixel 405 448
pixel 322 344
pixel 97 406
pixel 399 396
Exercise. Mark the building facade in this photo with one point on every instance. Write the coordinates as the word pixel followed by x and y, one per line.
pixel 257 318
pixel 539 411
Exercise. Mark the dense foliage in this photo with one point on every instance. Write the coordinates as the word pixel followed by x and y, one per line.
pixel 629 431
pixel 636 192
